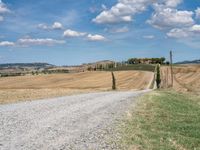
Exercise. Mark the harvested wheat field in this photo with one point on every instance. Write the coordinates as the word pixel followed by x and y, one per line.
pixel 21 88
pixel 186 78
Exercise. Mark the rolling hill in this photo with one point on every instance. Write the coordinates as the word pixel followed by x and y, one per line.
pixel 190 62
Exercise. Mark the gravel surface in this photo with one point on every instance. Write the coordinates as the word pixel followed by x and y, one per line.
pixel 79 122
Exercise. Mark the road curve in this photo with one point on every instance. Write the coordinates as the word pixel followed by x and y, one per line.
pixel 73 122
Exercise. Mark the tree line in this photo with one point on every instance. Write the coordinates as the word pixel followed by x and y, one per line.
pixel 146 60
pixel 130 61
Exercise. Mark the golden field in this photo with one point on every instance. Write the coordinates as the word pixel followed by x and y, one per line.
pixel 30 87
pixel 186 78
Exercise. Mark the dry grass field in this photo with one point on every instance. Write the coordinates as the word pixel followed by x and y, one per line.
pixel 21 88
pixel 186 78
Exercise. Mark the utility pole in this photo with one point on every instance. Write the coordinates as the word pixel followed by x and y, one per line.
pixel 167 83
pixel 171 62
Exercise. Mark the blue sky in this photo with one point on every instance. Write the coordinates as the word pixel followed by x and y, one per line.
pixel 68 32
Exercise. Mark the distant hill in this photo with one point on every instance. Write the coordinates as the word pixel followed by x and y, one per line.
pixel 100 62
pixel 105 61
pixel 189 62
pixel 24 65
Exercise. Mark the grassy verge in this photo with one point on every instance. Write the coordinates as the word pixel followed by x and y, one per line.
pixel 164 120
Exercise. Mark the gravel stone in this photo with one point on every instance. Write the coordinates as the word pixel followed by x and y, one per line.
pixel 78 122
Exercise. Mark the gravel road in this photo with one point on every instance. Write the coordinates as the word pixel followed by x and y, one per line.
pixel 79 122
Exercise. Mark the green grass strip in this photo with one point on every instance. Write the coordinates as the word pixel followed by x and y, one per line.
pixel 164 120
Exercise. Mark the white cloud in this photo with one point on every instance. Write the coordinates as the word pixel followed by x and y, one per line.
pixel 3 8
pixel 165 17
pixel 177 23
pixel 28 41
pixel 57 25
pixel 173 3
pixel 96 37
pixel 71 33
pixel 193 31
pixel 7 43
pixel 122 11
pixel 178 33
pixel 195 28
pixel 197 11
pixel 54 26
pixel 43 26
pixel 126 18
pixel 149 36
pixel 46 41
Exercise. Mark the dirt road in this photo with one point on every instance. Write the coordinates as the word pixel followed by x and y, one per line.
pixel 83 121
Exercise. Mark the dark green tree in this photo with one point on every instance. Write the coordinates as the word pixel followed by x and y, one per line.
pixel 113 81
pixel 162 60
pixel 158 78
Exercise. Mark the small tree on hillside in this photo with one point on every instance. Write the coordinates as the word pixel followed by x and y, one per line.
pixel 89 68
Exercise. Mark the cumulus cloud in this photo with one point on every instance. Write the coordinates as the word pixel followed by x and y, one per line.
pixel 197 11
pixel 46 41
pixel 165 17
pixel 176 23
pixel 123 11
pixel 7 43
pixel 90 37
pixel 28 41
pixel 54 26
pixel 57 25
pixel 72 33
pixel 193 31
pixel 3 10
pixel 195 28
pixel 178 33
pixel 43 26
pixel 96 37
pixel 173 3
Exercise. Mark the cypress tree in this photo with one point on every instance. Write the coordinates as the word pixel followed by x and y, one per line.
pixel 158 79
pixel 113 81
